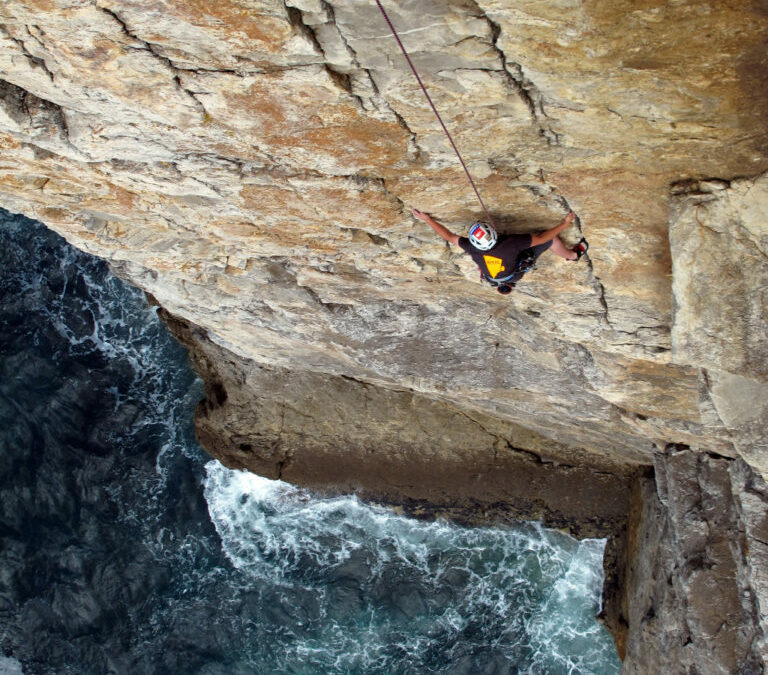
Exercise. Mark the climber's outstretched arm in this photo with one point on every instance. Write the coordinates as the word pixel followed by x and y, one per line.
pixel 443 231
pixel 549 235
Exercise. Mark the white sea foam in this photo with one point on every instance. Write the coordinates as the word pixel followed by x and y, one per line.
pixel 387 585
pixel 9 666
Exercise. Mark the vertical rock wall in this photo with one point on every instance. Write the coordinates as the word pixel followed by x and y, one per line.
pixel 252 165
pixel 719 241
pixel 698 576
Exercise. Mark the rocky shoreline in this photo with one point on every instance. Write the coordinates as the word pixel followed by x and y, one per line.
pixel 687 537
pixel 274 423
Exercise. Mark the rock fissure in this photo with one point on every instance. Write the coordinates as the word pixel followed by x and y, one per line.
pixel 155 52
pixel 708 386
pixel 331 14
pixel 285 460
pixel 36 34
pixel 64 126
pixel 223 71
pixel 343 81
pixel 283 465
pixel 402 207
pixel 351 75
pixel 34 60
pixel 296 17
pixel 756 538
pixel 207 184
pixel 37 116
pixel 526 89
pixel 700 187
pixel 599 289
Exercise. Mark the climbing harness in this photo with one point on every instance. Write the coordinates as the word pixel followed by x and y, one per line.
pixel 434 110
pixel 526 261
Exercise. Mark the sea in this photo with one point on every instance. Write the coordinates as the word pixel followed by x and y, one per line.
pixel 124 548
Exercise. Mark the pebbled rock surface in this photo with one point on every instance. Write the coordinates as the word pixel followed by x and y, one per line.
pixel 252 163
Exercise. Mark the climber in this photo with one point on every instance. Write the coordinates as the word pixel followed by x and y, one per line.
pixel 504 259
pixel 513 255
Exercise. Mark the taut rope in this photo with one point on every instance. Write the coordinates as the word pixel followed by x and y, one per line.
pixel 437 114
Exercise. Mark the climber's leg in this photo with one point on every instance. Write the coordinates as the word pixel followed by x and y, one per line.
pixel 559 248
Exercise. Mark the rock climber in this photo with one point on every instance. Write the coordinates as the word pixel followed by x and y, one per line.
pixel 504 259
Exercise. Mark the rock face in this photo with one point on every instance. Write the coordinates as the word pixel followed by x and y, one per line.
pixel 252 163
pixel 398 446
pixel 699 571
pixel 720 284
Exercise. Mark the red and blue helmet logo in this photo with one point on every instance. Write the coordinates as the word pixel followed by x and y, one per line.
pixel 477 231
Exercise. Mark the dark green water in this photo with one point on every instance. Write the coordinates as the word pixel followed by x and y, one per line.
pixel 125 549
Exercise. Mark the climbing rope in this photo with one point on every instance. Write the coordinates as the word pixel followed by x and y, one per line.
pixel 434 110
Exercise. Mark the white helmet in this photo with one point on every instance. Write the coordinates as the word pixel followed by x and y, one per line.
pixel 482 235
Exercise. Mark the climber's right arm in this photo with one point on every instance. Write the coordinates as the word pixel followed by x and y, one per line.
pixel 441 230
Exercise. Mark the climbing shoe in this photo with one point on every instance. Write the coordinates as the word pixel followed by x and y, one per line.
pixel 581 248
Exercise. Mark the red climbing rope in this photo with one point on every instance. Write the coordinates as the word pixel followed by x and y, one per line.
pixel 437 114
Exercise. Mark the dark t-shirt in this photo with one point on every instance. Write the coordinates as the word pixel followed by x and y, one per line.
pixel 501 260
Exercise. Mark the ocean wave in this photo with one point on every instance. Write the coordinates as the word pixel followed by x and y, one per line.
pixel 394 594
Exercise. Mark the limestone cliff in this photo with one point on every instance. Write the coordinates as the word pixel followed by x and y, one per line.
pixel 252 163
